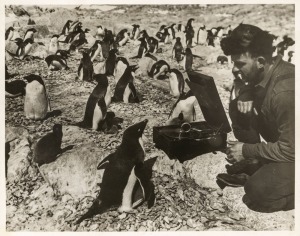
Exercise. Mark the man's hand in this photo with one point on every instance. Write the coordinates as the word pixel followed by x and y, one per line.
pixel 244 106
pixel 234 152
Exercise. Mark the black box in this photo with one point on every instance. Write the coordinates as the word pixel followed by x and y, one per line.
pixel 213 131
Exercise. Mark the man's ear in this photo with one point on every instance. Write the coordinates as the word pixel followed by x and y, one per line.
pixel 261 62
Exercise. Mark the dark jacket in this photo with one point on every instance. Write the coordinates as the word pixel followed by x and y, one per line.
pixel 276 115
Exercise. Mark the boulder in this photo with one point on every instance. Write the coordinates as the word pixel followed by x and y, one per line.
pixel 145 65
pixel 18 150
pixel 75 171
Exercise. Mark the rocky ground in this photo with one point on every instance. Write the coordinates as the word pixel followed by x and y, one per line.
pixel 187 197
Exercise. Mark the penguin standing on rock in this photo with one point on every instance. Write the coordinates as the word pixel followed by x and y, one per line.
pixel 36 102
pixel 176 83
pixel 97 104
pixel 126 183
pixel 49 146
pixel 159 69
pixel 177 50
pixel 56 62
pixel 125 90
pixel 85 69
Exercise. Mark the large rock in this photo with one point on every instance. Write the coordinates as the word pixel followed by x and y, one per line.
pixel 18 145
pixel 75 171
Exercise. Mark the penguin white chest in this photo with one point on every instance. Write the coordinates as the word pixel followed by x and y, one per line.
pixel 174 91
pixel 126 94
pixel 98 116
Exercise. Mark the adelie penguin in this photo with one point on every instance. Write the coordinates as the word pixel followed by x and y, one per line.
pixel 171 31
pixel 9 33
pixel 49 146
pixel 122 37
pixel 135 32
pixel 177 50
pixel 29 34
pixel 66 28
pixel 177 83
pixel 77 44
pixel 202 36
pixel 56 62
pixel 125 90
pixel 15 88
pixel 24 48
pixel 187 61
pixel 53 46
pixel 184 105
pixel 142 49
pixel 120 67
pixel 36 103
pixel 85 69
pixel 97 104
pixel 125 183
pixel 189 33
pixel 111 62
pixel 95 50
pixel 159 70
pixel 151 41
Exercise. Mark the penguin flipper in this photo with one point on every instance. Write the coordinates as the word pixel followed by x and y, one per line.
pixel 134 99
pixel 105 161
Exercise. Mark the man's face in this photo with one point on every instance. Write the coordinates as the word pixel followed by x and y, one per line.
pixel 247 67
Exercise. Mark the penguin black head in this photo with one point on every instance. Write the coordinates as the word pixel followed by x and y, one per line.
pixel 29 40
pixel 188 51
pixel 162 27
pixel 33 77
pixel 18 41
pixel 11 28
pixel 55 36
pixel 57 130
pixel 32 29
pixel 135 131
pixel 99 26
pixel 87 30
pixel 190 21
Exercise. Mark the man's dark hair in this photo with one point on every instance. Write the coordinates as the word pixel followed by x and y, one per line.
pixel 248 38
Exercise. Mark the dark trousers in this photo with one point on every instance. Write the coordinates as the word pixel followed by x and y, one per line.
pixel 271 188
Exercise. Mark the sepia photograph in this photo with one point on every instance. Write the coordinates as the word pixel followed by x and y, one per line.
pixel 149 117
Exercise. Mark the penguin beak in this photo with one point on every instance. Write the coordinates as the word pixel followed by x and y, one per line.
pixel 142 126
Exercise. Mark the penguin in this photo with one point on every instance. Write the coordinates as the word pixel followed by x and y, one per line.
pixel 160 33
pixel 125 90
pixel 121 65
pixel 30 22
pixel 171 31
pixel 142 49
pixel 135 32
pixel 49 146
pixel 111 62
pixel 220 32
pixel 74 35
pixel 221 59
pixel 121 35
pixel 63 53
pixel 184 105
pixel 210 38
pixel 228 30
pixel 166 38
pixel 85 69
pixel 177 50
pixel 9 33
pixel 56 62
pixel 125 175
pixel 15 88
pixel 66 29
pixel 202 35
pixel 95 50
pixel 75 25
pixel 97 104
pixel 179 27
pixel 100 32
pixel 125 39
pixel 105 48
pixel 77 44
pixel 108 37
pixel 36 102
pixel 159 69
pixel 24 48
pixel 176 83
pixel 53 46
pixel 187 61
pixel 29 34
pixel 111 124
pixel 151 41
pixel 189 32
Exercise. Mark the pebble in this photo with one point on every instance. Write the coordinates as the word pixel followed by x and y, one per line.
pixel 122 216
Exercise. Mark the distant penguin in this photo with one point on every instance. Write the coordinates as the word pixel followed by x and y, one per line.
pixel 160 33
pixel 222 59
pixel 29 34
pixel 202 36
pixel 108 36
pixel 100 30
pixel 166 36
pixel 151 41
pixel 105 48
pixel 111 62
pixel 53 46
pixel 135 32
pixel 184 105
pixel 36 99
pixel 210 38
pixel 176 82
pixel 187 61
pixel 66 28
pixel 159 69
pixel 56 62
pixel 15 88
pixel 125 90
pixel 142 49
pixel 9 33
pixel 85 69
pixel 97 104
pixel 179 27
pixel 177 50
pixel 171 31
pixel 95 50
pixel 49 146
pixel 124 176
pixel 189 33
pixel 30 22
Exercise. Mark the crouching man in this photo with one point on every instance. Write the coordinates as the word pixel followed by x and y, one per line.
pixel 264 107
